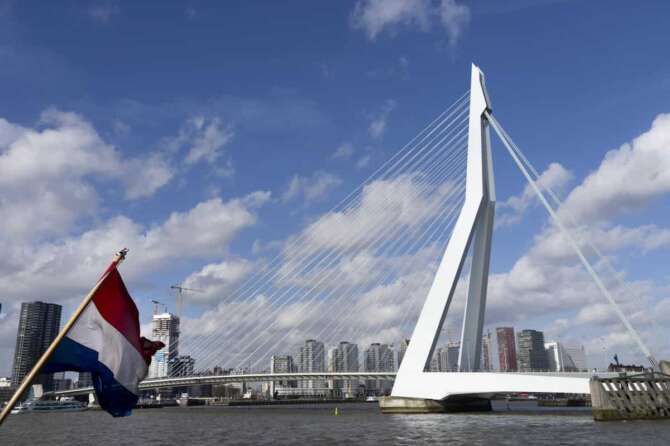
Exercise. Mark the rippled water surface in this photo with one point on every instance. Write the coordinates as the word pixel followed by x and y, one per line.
pixel 298 425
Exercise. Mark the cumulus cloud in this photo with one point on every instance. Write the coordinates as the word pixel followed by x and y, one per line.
pixel 375 16
pixel 555 177
pixel 401 200
pixel 215 281
pixel 47 174
pixel 67 266
pixel 627 179
pixel 378 123
pixel 455 18
pixel 313 188
pixel 203 139
pixel 548 278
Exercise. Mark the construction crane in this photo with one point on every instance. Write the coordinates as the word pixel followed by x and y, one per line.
pixel 180 298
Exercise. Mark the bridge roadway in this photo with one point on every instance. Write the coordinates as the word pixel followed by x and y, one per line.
pixel 485 382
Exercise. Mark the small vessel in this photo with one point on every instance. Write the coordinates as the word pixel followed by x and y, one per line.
pixel 63 405
pixel 371 399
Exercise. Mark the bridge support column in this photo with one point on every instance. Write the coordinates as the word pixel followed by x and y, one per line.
pixel 399 405
pixel 475 222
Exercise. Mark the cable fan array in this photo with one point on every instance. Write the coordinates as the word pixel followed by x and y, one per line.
pixel 359 273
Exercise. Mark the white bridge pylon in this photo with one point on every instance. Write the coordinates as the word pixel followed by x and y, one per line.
pixel 474 225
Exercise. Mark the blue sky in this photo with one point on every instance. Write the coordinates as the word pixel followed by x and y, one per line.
pixel 222 100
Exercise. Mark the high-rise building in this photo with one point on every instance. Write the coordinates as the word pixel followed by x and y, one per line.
pixel 378 358
pixel 282 364
pixel 577 356
pixel 312 360
pixel 531 352
pixel 164 328
pixel 486 363
pixel 401 350
pixel 565 359
pixel 448 357
pixel 344 358
pixel 506 349
pixel 39 323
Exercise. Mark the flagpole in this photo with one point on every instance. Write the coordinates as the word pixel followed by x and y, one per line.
pixel 118 258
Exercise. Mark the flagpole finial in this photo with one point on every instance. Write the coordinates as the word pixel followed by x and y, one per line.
pixel 121 256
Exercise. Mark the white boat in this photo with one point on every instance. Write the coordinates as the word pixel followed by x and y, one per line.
pixel 36 406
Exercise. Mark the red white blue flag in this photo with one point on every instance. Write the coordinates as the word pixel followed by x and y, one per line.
pixel 105 341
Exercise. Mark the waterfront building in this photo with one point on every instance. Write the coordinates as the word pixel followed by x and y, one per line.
pixel 39 323
pixel 531 353
pixel 486 362
pixel 311 359
pixel 401 351
pixel 577 356
pixel 506 349
pixel 566 359
pixel 164 328
pixel 344 358
pixel 282 364
pixel 378 358
pixel 448 357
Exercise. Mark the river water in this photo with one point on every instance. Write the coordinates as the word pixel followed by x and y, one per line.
pixel 357 424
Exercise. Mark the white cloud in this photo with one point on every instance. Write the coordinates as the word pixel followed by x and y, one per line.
pixel 65 268
pixel 378 123
pixel 314 188
pixel 375 16
pixel 47 174
pixel 344 151
pixel 216 281
pixel 455 19
pixel 555 177
pixel 149 175
pixel 203 139
pixel 627 179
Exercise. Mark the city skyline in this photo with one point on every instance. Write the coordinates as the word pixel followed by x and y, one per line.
pixel 315 356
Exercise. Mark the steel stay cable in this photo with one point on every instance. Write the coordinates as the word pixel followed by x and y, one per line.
pixel 455 107
pixel 441 141
pixel 325 300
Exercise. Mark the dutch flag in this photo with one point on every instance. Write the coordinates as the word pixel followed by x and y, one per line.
pixel 105 341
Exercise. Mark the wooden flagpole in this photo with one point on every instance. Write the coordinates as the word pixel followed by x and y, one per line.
pixel 118 258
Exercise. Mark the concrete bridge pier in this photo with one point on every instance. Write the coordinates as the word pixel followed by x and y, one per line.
pixel 452 404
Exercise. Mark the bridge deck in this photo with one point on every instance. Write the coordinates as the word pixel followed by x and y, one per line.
pixel 471 382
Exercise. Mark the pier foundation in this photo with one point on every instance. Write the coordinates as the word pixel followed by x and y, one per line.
pixel 398 405
pixel 631 397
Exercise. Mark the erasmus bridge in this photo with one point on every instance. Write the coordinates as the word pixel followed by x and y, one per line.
pixel 387 262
